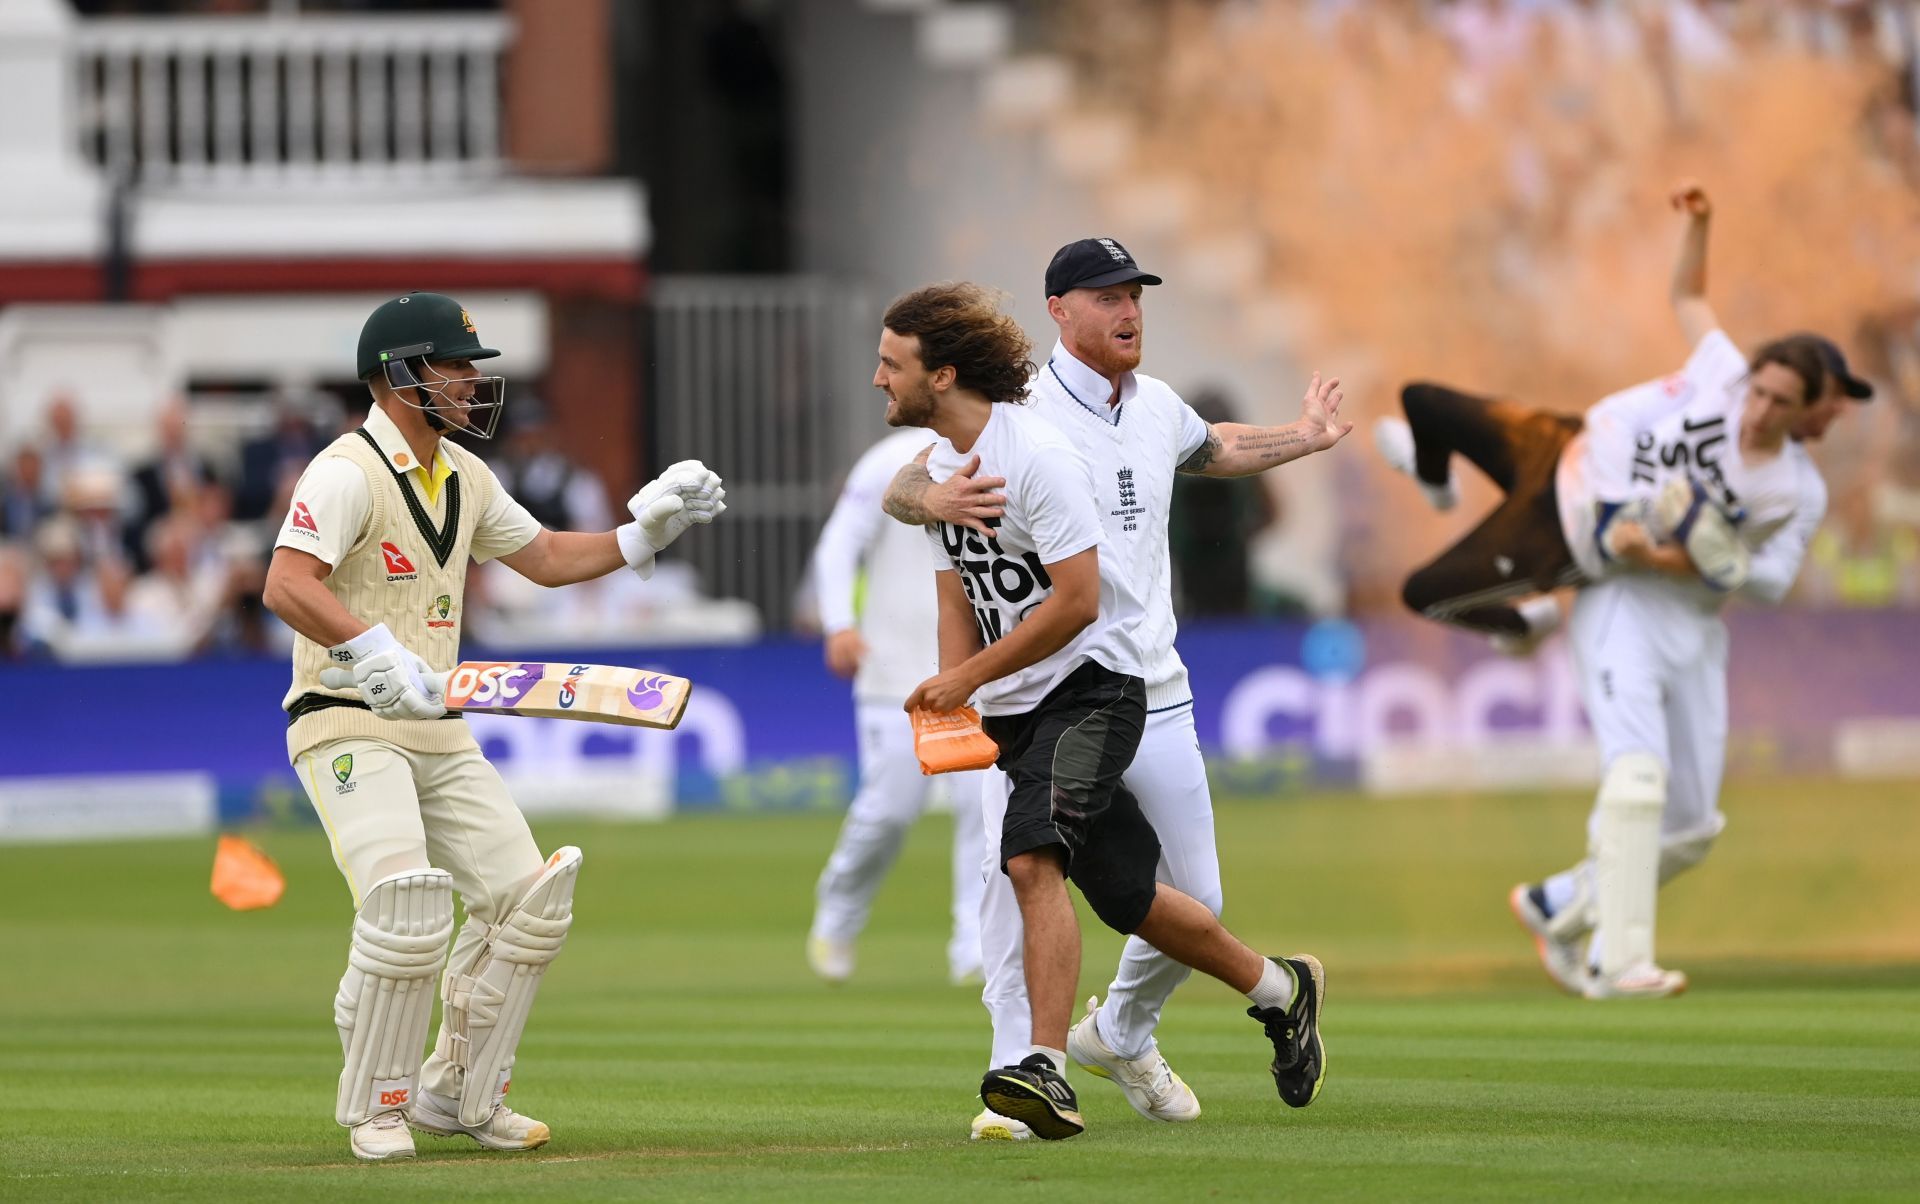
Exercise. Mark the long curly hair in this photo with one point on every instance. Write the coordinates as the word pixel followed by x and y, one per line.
pixel 961 325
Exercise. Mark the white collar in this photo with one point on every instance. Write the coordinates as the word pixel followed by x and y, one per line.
pixel 393 445
pixel 1088 387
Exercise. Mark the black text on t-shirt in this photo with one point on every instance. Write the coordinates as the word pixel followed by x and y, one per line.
pixel 996 582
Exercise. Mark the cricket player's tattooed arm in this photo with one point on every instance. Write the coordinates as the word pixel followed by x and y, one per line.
pixel 1204 454
pixel 1276 443
pixel 1234 450
pixel 906 498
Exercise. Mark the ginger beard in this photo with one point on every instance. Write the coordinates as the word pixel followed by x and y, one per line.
pixel 1107 336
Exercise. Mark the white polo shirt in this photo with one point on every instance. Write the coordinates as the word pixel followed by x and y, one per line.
pixel 1133 448
pixel 1050 515
pixel 332 500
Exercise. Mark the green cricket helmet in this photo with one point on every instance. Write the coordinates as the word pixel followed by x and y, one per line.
pixel 406 336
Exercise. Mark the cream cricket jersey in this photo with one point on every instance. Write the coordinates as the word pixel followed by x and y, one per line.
pixel 898 617
pixel 398 536
pixel 1050 515
pixel 1635 440
pixel 1133 448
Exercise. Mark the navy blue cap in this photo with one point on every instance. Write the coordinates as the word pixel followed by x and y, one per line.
pixel 1093 263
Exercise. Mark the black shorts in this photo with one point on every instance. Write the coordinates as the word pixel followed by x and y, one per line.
pixel 1063 760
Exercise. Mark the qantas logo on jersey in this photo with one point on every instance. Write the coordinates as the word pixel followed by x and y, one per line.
pixel 302 520
pixel 1695 451
pixel 399 568
pixel 995 581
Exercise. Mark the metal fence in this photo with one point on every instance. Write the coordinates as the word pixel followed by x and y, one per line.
pixel 231 100
pixel 766 380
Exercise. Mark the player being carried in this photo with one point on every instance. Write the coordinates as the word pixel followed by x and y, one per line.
pixel 1672 496
pixel 369 569
pixel 1136 434
pixel 1038 621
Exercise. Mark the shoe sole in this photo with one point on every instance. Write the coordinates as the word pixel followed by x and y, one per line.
pixel 997 1133
pixel 1319 974
pixel 1518 903
pixel 1019 1101
pixel 1679 988
pixel 394 1156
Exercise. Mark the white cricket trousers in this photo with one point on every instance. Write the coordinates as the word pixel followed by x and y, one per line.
pixel 1653 675
pixel 1169 777
pixel 892 795
pixel 389 810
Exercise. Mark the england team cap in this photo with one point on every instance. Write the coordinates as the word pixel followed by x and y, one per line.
pixel 1093 263
pixel 1851 385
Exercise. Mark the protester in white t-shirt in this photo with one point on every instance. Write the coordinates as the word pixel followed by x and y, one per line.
pixel 1036 624
pixel 886 645
pixel 1672 496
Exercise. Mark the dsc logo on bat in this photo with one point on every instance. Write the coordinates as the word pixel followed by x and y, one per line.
pixel 481 683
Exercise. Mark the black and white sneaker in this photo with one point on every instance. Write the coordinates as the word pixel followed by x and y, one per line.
pixel 1036 1095
pixel 1299 1057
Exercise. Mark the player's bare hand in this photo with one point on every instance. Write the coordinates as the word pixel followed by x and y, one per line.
pixel 943 692
pixel 845 650
pixel 1691 199
pixel 1320 412
pixel 965 500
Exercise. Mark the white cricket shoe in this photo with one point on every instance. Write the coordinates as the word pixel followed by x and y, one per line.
pixel 991 1126
pixel 1394 440
pixel 1148 1083
pixel 382 1138
pixel 831 960
pixel 1641 982
pixel 504 1130
pixel 1564 960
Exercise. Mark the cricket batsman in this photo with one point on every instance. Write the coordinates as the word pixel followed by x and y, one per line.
pixel 368 570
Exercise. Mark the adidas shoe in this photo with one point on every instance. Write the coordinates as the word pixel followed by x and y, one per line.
pixel 1563 960
pixel 1299 1056
pixel 1036 1095
pixel 991 1126
pixel 1148 1082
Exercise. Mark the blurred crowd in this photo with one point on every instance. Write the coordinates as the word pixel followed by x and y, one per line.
pixel 160 556
pixel 1473 191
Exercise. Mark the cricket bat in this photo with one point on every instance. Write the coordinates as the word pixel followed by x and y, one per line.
pixel 557 690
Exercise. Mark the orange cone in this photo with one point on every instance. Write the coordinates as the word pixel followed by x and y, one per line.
pixel 244 878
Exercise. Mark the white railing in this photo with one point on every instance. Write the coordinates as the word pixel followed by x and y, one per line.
pixel 290 99
pixel 766 380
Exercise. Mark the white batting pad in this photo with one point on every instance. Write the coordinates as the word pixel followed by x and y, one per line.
pixel 486 1010
pixel 1626 857
pixel 385 1000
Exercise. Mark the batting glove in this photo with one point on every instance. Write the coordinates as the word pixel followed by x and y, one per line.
pixel 686 493
pixel 393 681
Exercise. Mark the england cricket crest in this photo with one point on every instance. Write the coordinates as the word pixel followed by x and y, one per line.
pixel 343 766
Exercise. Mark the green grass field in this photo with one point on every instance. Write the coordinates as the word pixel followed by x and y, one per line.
pixel 157 1046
